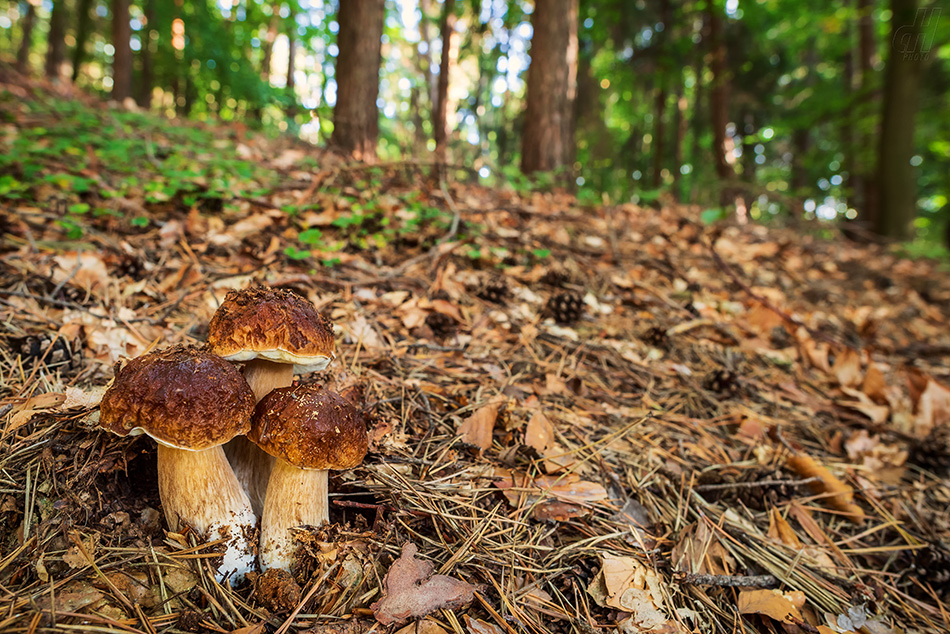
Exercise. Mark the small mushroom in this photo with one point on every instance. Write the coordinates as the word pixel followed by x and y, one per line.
pixel 309 430
pixel 190 402
pixel 278 334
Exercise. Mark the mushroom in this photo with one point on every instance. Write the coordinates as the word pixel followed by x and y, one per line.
pixel 277 333
pixel 309 430
pixel 190 402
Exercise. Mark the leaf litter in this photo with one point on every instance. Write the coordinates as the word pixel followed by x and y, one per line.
pixel 741 427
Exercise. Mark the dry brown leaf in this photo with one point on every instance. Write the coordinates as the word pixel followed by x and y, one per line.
pixel 478 626
pixel 838 495
pixel 250 629
pixel 781 530
pixel 877 413
pixel 410 590
pixel 72 598
pixel 847 368
pixel 875 385
pixel 24 412
pixel 539 433
pixel 699 552
pixel 772 603
pixel 932 408
pixel 762 320
pixel 477 428
pixel 425 626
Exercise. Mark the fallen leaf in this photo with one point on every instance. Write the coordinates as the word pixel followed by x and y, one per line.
pixel 772 603
pixel 477 428
pixel 425 626
pixel 837 494
pixel 410 590
pixel 875 385
pixel 847 368
pixel 478 626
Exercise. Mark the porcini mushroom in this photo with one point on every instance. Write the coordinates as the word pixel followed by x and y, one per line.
pixel 278 334
pixel 309 430
pixel 190 402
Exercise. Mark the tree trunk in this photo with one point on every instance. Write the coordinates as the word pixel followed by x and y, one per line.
pixel 291 82
pixel 83 28
pixel 896 175
pixel 144 96
pixel 269 40
pixel 122 59
pixel 355 115
pixel 56 53
pixel 23 54
pixel 547 138
pixel 680 124
pixel 659 110
pixel 866 184
pixel 440 114
pixel 719 96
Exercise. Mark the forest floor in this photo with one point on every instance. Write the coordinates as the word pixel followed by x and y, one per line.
pixel 592 418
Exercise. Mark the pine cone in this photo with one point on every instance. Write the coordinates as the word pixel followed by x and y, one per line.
pixel 929 566
pixel 723 382
pixel 566 307
pixel 441 325
pixel 31 349
pixel 933 452
pixel 127 265
pixel 494 290
pixel 555 277
pixel 657 337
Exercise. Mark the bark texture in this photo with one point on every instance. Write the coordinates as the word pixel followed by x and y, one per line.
pixel 122 59
pixel 547 140
pixel 83 28
pixel 23 53
pixel 355 115
pixel 440 115
pixel 907 54
pixel 56 53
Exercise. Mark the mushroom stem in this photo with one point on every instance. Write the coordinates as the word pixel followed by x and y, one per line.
pixel 198 488
pixel 252 466
pixel 263 376
pixel 295 497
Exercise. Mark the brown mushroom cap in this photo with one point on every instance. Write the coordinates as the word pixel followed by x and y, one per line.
pixel 310 427
pixel 180 396
pixel 273 324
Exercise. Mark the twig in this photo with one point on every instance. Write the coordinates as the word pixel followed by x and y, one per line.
pixel 752 485
pixel 728 581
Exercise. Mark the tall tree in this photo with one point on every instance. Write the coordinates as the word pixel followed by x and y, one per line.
pixel 866 185
pixel 56 52
pixel 29 21
pixel 719 96
pixel 355 115
pixel 144 94
pixel 659 108
pixel 901 87
pixel 122 43
pixel 547 140
pixel 440 114
pixel 83 28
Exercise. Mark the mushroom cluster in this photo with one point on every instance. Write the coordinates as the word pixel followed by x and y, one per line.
pixel 240 450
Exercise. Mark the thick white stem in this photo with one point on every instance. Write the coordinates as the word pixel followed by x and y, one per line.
pixel 198 488
pixel 295 497
pixel 251 465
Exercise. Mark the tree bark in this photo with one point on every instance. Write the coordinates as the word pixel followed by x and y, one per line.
pixel 547 140
pixel 23 53
pixel 680 124
pixel 440 114
pixel 866 184
pixel 291 82
pixel 56 53
pixel 355 115
pixel 144 96
pixel 269 40
pixel 83 28
pixel 907 54
pixel 719 95
pixel 122 58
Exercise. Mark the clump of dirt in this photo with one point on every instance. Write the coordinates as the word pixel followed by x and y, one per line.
pixel 277 591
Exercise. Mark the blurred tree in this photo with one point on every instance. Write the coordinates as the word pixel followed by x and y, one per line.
pixel 27 23
pixel 56 51
pixel 449 52
pixel 719 97
pixel 83 29
pixel 147 76
pixel 905 63
pixel 122 57
pixel 355 115
pixel 547 140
